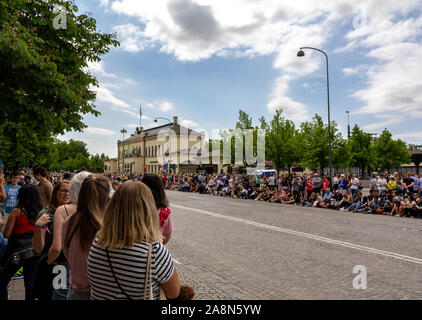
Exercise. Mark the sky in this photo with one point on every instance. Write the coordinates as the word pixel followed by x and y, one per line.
pixel 204 60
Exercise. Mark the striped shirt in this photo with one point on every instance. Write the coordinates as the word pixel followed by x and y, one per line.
pixel 129 265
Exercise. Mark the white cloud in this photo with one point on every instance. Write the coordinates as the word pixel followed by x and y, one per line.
pixel 410 137
pixel 105 95
pixel 130 81
pixel 104 3
pixel 99 131
pixel 98 69
pixel 166 106
pixel 358 70
pixel 388 120
pixel 189 123
pixel 193 30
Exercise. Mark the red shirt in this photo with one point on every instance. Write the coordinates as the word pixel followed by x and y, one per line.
pixel 22 225
pixel 309 185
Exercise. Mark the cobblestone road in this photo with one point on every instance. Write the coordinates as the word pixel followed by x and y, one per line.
pixel 243 249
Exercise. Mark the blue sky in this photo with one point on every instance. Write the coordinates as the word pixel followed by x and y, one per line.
pixel 203 60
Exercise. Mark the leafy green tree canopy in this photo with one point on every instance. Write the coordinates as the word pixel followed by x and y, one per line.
pixel 44 89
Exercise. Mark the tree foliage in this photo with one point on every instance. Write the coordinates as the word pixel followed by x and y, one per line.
pixel 360 143
pixel 283 144
pixel 44 89
pixel 387 154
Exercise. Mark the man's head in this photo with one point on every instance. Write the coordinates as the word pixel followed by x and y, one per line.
pixel 40 173
pixel 14 178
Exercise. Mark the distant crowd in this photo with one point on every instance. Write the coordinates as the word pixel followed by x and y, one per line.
pixel 387 194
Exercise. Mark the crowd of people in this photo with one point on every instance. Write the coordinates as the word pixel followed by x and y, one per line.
pixel 109 233
pixel 387 194
pixel 109 237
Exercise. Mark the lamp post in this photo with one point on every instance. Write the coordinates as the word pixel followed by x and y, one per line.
pixel 123 131
pixel 348 124
pixel 301 53
pixel 156 120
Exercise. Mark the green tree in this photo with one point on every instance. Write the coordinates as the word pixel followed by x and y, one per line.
pixel 97 162
pixel 360 143
pixel 315 143
pixel 387 153
pixel 44 90
pixel 341 153
pixel 282 141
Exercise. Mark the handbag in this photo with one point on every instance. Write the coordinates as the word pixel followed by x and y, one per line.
pixel 19 248
pixel 148 279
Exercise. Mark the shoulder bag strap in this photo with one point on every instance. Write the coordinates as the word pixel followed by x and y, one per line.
pixel 67 213
pixel 114 276
pixel 148 276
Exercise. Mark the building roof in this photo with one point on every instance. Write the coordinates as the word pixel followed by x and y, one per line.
pixel 152 132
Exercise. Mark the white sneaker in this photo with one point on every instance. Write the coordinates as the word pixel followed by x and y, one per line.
pixel 341 209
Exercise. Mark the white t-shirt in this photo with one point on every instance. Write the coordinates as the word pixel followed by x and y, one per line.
pixel 382 184
pixel 271 181
pixel 355 182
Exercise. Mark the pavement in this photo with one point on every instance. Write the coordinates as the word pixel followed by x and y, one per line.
pixel 245 249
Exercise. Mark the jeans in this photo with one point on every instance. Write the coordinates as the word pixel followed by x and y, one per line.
pixel 3 244
pixel 78 295
pixel 61 294
pixel 354 191
pixel 30 268
pixel 355 206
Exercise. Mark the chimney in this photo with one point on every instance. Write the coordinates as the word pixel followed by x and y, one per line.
pixel 175 120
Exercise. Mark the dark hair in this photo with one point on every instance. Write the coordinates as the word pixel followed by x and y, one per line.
pixel 154 183
pixel 15 174
pixel 29 201
pixel 92 203
pixel 67 176
pixel 40 170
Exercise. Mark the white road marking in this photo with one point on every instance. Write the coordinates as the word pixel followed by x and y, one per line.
pixel 234 204
pixel 177 262
pixel 238 204
pixel 306 235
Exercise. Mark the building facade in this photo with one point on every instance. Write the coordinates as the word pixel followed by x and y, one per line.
pixel 166 148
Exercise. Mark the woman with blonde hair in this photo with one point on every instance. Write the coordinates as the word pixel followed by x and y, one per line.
pixel 79 231
pixel 128 242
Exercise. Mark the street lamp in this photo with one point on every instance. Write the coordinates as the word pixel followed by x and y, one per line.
pixel 348 124
pixel 123 131
pixel 156 120
pixel 301 53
